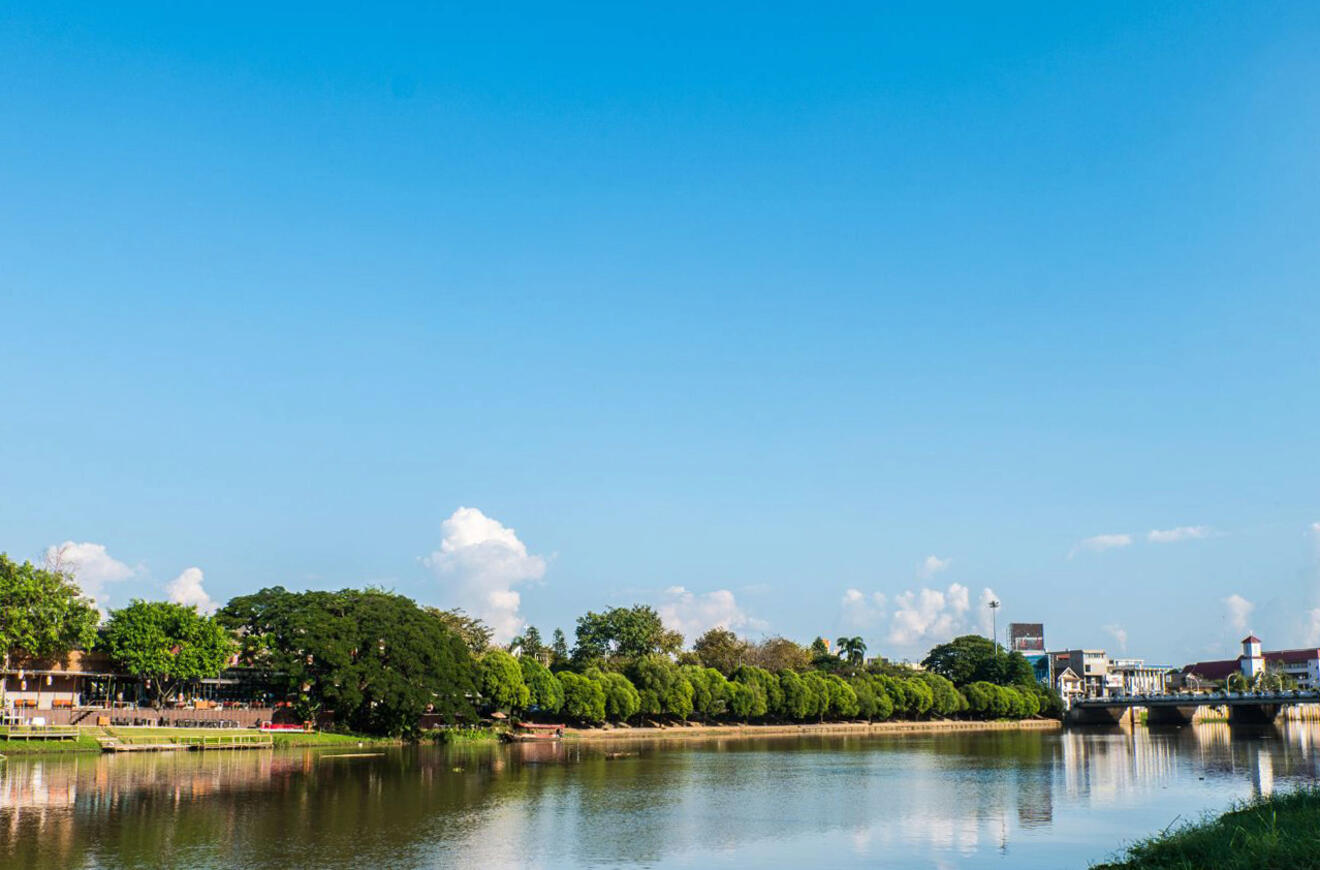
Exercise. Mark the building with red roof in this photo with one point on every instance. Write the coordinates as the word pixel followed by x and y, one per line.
pixel 1301 665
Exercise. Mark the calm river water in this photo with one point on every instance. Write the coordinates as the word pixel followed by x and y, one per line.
pixel 995 799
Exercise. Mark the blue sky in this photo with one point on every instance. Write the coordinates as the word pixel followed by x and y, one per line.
pixel 769 304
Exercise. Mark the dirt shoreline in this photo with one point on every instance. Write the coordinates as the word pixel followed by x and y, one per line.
pixel 681 732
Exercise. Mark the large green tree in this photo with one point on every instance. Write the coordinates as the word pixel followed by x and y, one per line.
pixel 546 693
pixel 42 612
pixel 710 691
pixel 945 700
pixel 621 698
pixel 843 700
pixel 873 702
pixel 623 633
pixel 501 682
pixel 375 659
pixel 167 645
pixel 662 687
pixel 962 659
pixel 767 696
pixel 972 658
pixel 722 650
pixel 776 654
pixel 584 697
pixel 797 704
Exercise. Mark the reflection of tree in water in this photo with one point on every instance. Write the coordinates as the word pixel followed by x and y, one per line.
pixel 582 803
pixel 303 809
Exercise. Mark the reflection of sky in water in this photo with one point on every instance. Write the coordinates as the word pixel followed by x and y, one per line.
pixel 952 800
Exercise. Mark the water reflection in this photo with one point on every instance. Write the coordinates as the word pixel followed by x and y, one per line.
pixel 1017 799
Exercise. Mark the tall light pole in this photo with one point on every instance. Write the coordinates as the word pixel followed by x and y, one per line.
pixel 993 604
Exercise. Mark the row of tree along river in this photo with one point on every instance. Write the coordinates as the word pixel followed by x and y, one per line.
pixel 376 662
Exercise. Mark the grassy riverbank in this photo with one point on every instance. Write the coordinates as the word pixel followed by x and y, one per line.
pixel 1281 832
pixel 87 739
pixel 690 731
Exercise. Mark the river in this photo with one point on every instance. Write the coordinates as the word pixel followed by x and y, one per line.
pixel 992 799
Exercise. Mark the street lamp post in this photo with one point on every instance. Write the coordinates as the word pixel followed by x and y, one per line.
pixel 993 604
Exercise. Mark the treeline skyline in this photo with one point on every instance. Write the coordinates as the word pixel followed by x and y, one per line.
pixel 377 661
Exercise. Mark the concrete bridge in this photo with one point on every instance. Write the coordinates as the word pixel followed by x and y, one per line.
pixel 1256 708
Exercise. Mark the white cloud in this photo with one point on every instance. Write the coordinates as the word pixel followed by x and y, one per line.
pixel 692 615
pixel 1237 609
pixel 187 589
pixel 1181 533
pixel 930 616
pixel 932 565
pixel 479 562
pixel 1100 543
pixel 1119 634
pixel 90 565
pixel 861 610
pixel 1313 630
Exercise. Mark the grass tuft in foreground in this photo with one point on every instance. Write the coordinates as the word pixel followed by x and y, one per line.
pixel 1275 833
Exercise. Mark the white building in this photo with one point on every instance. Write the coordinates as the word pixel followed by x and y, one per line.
pixel 1138 678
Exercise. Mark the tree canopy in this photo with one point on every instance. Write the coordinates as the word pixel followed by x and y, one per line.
pixel 475 633
pixel 501 682
pixel 722 650
pixel 972 658
pixel 375 659
pixel 546 693
pixel 623 633
pixel 42 612
pixel 852 649
pixel 775 654
pixel 166 644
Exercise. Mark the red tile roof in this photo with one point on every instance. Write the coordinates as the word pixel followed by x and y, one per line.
pixel 1222 669
pixel 1251 638
pixel 1292 656
pixel 1215 670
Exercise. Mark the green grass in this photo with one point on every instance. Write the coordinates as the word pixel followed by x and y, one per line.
pixel 291 739
pixel 464 735
pixel 1276 833
pixel 86 742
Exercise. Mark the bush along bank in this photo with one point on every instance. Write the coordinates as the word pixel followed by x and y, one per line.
pixel 1280 832
pixel 610 679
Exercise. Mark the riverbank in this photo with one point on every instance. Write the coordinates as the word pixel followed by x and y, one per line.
pixel 1274 833
pixel 683 732
pixel 87 739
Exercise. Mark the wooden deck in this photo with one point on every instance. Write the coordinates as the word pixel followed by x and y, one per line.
pixel 186 743
pixel 39 732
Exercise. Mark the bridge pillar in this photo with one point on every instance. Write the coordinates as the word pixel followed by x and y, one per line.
pixel 1253 714
pixel 1168 715
pixel 1097 715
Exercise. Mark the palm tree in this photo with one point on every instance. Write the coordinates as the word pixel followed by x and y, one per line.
pixel 853 649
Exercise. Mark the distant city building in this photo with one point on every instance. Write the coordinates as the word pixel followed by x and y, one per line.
pixel 1069 687
pixel 1139 678
pixel 1091 667
pixel 1301 665
pixel 1028 638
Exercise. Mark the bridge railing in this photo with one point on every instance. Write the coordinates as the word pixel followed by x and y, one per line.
pixel 1293 696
